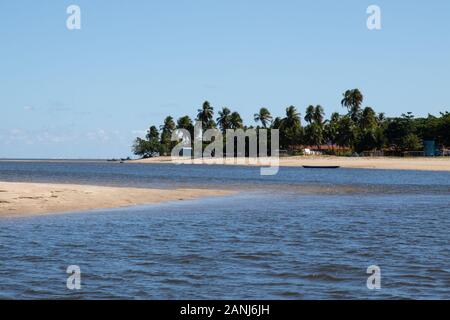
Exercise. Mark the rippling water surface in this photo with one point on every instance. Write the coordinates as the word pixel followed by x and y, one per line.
pixel 299 235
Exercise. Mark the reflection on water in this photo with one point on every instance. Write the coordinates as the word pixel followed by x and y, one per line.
pixel 301 234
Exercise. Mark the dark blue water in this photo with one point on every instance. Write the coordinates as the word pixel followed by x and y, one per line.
pixel 299 235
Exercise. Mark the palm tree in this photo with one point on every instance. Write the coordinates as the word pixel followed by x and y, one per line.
pixel 368 119
pixel 352 101
pixel 331 129
pixel 224 119
pixel 381 117
pixel 335 117
pixel 292 119
pixel 236 121
pixel 168 126
pixel 264 117
pixel 290 128
pixel 309 115
pixel 205 115
pixel 152 134
pixel 314 114
pixel 166 134
pixel 186 124
pixel 276 124
pixel 319 115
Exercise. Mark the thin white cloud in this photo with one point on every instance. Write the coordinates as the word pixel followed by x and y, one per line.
pixel 139 133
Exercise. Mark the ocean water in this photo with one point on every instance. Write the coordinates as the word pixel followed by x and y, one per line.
pixel 302 234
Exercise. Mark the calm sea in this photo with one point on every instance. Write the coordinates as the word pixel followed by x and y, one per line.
pixel 303 234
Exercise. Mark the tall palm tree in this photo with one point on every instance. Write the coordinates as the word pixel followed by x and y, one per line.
pixel 353 100
pixel 276 124
pixel 166 134
pixel 290 129
pixel 168 126
pixel 319 115
pixel 224 119
pixel 152 134
pixel 314 114
pixel 292 119
pixel 205 115
pixel 264 117
pixel 309 115
pixel 236 121
pixel 186 124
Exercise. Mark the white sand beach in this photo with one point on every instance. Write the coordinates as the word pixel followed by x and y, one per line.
pixel 426 164
pixel 24 199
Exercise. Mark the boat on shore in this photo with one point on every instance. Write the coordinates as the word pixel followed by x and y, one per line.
pixel 321 167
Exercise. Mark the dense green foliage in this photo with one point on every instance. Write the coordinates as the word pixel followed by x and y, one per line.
pixel 360 129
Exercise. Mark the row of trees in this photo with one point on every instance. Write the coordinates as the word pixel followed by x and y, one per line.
pixel 360 129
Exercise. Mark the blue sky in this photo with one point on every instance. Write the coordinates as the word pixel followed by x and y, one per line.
pixel 87 93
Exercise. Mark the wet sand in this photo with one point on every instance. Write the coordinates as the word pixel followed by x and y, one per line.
pixel 426 164
pixel 26 199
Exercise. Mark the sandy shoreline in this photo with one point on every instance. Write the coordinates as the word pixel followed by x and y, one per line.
pixel 386 163
pixel 425 164
pixel 27 199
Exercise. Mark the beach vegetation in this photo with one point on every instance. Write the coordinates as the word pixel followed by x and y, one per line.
pixel 150 146
pixel 264 117
pixel 360 129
